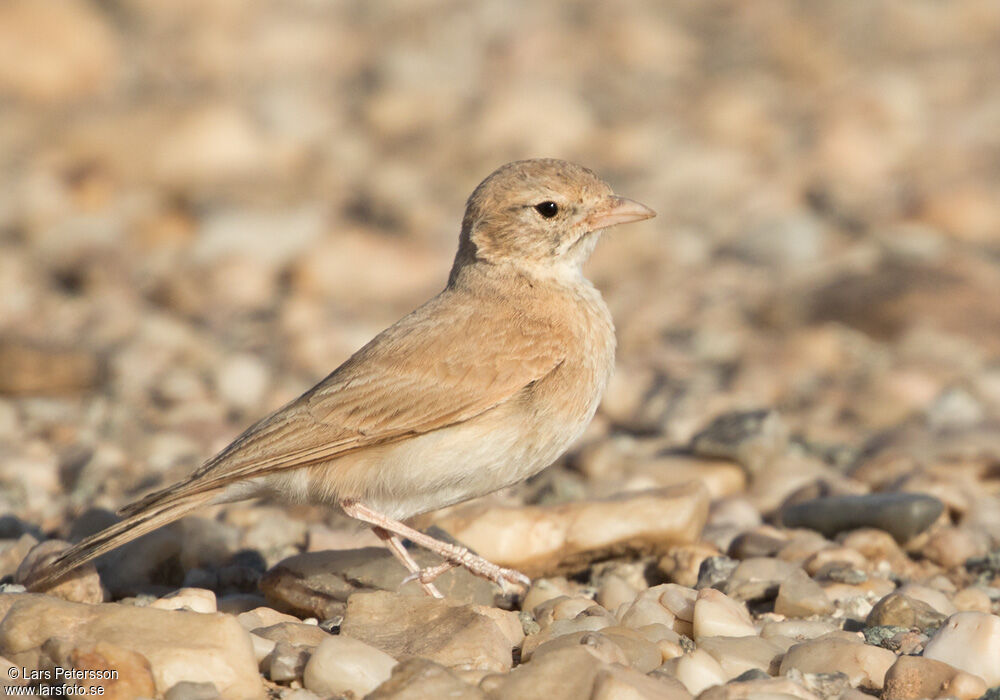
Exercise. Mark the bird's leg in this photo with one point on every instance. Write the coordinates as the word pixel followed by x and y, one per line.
pixel 395 546
pixel 452 552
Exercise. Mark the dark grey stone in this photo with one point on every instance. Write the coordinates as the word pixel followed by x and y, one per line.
pixel 902 515
pixel 715 571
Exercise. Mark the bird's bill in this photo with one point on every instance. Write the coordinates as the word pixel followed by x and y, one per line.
pixel 618 210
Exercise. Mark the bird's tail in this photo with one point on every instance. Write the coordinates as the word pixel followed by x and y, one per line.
pixel 138 522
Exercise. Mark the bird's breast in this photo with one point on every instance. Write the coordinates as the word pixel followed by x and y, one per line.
pixel 572 392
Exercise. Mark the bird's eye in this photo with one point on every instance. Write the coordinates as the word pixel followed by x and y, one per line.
pixel 547 209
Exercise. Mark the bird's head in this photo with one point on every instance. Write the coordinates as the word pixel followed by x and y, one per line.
pixel 544 214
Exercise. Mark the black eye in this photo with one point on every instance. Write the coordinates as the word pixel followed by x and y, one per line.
pixel 547 209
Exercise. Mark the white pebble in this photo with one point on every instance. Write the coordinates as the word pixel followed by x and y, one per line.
pixel 242 381
pixel 716 615
pixel 969 641
pixel 197 600
pixel 341 665
pixel 698 671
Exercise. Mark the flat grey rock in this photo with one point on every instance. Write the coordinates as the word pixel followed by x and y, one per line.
pixel 902 515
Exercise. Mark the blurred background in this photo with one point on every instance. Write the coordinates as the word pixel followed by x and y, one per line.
pixel 207 206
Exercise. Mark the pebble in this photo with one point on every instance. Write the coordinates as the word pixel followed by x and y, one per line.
pixel 567 608
pixel 242 381
pixel 758 578
pixel 319 583
pixel 615 592
pixel 82 586
pixel 934 598
pixel 799 630
pixel 864 665
pixel 295 638
pixel 777 688
pixel 553 539
pixel 902 515
pixel 831 563
pixel 188 690
pixel 65 51
pixel 715 571
pixel 969 641
pixel 578 625
pixel 449 634
pixel 913 677
pixel 682 563
pixel 178 645
pixel 193 599
pixel 800 596
pixel 342 664
pixel 568 672
pixel 135 675
pixel 27 369
pixel 721 478
pixel 544 589
pixel 752 438
pixel 716 615
pixel 755 543
pixel 679 600
pixel 612 683
pixel 646 609
pixel 620 644
pixel 737 655
pixel 951 547
pixel 698 671
pixel 972 599
pixel 898 610
pixel 285 662
pixel 13 552
pixel 263 617
pixel 416 678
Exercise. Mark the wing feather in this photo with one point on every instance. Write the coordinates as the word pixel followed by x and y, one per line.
pixel 441 365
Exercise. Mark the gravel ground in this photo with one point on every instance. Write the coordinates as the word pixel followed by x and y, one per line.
pixel 792 487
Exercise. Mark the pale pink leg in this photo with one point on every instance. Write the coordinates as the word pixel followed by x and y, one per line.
pixel 452 552
pixel 395 546
pixel 431 572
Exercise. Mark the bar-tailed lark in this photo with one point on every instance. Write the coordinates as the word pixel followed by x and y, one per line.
pixel 481 387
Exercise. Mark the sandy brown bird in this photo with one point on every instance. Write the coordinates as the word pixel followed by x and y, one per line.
pixel 479 388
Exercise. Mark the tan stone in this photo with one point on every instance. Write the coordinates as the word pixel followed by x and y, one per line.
pixel 31 369
pixel 417 679
pixel 716 615
pixel 682 562
pixel 134 675
pixel 439 630
pixel 565 673
pixel 179 645
pixel 55 51
pixel 737 655
pixel 545 540
pixel 83 585
pixel 775 688
pixel 341 664
pixel 865 665
pixel 913 677
pixel 969 641
pixel 614 644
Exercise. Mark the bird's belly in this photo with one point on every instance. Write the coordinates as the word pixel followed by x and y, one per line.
pixel 437 469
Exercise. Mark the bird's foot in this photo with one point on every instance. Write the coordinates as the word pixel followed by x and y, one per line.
pixel 483 567
pixel 454 554
pixel 430 574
